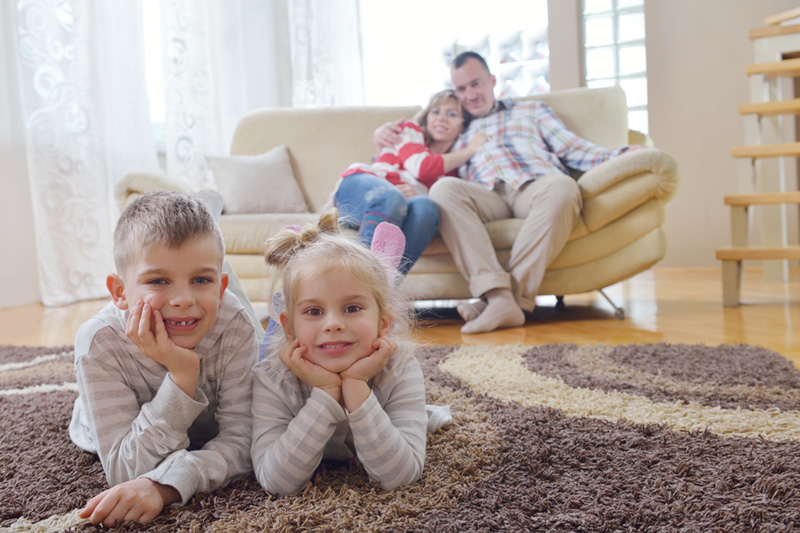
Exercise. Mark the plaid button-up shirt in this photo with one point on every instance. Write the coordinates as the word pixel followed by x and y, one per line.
pixel 528 140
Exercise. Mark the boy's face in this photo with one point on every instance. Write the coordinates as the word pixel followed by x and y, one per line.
pixel 336 318
pixel 185 284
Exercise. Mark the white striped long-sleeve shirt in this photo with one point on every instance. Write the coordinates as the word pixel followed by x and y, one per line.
pixel 295 426
pixel 131 413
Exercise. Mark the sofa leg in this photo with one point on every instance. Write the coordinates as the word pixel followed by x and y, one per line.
pixel 618 311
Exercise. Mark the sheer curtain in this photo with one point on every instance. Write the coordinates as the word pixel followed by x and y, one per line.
pixel 86 123
pixel 325 41
pixel 222 58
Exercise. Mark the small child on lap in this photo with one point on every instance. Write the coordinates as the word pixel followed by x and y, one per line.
pixel 163 370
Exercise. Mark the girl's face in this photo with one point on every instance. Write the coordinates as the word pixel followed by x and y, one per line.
pixel 336 318
pixel 445 121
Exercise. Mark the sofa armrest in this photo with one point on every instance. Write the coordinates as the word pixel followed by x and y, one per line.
pixel 134 185
pixel 623 183
pixel 637 137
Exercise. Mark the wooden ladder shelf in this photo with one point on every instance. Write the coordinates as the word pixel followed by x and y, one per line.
pixel 780 38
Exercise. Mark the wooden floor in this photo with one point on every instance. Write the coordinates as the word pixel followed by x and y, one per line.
pixel 672 305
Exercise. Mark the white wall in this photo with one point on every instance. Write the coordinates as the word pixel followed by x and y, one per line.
pixel 18 260
pixel 696 54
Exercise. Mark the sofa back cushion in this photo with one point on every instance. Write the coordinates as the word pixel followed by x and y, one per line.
pixel 322 142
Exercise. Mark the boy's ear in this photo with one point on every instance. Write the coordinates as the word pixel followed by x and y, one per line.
pixel 116 287
pixel 224 280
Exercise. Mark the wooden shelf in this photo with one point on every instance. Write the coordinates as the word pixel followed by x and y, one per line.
pixel 763 198
pixel 739 253
pixel 783 16
pixel 773 31
pixel 782 107
pixel 767 150
pixel 774 69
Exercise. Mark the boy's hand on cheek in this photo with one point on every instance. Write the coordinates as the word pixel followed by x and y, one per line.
pixel 138 500
pixel 313 375
pixel 146 329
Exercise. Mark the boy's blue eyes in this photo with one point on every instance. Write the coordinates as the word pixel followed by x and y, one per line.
pixel 162 281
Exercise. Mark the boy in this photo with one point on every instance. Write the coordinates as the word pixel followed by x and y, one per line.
pixel 163 370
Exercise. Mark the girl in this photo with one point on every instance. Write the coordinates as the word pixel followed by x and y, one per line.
pixel 394 188
pixel 336 383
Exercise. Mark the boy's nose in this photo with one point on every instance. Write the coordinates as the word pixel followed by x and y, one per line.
pixel 181 298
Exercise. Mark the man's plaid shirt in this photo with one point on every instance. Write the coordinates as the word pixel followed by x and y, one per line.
pixel 528 140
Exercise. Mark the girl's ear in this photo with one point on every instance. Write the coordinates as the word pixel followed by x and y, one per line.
pixel 285 320
pixel 387 321
pixel 116 287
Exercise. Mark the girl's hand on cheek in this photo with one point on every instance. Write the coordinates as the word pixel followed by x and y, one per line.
pixel 368 367
pixel 293 356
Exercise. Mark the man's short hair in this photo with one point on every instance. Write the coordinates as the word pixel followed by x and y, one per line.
pixel 461 58
pixel 162 218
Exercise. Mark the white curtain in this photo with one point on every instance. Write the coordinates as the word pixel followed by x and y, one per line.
pixel 222 58
pixel 326 53
pixel 86 120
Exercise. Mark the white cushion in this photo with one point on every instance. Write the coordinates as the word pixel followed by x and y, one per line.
pixel 258 183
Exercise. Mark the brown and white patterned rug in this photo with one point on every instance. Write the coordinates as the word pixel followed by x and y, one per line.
pixel 555 437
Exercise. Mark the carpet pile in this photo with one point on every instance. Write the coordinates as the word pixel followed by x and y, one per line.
pixel 555 437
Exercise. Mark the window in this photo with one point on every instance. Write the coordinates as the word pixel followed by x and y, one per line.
pixel 614 48
pixel 407 47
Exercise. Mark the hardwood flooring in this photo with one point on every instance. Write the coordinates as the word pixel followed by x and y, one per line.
pixel 672 305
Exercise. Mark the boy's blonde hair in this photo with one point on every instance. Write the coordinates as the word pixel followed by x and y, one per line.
pixel 162 218
pixel 297 255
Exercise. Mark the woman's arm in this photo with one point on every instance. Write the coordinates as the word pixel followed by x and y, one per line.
pixel 454 160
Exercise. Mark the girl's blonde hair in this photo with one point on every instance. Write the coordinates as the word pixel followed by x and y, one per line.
pixel 421 117
pixel 298 255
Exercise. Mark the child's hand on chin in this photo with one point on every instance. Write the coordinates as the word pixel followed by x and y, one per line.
pixel 368 367
pixel 311 374
pixel 146 329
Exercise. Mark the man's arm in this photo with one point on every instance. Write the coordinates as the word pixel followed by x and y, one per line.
pixel 573 150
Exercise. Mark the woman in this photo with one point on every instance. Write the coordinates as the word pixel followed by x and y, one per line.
pixel 394 188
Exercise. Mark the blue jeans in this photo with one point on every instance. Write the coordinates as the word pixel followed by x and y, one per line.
pixel 364 201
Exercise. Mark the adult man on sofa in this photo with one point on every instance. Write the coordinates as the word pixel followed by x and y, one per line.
pixel 521 172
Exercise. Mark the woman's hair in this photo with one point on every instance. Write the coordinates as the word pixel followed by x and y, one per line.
pixel 297 255
pixel 162 218
pixel 421 117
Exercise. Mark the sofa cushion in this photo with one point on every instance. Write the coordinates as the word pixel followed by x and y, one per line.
pixel 261 183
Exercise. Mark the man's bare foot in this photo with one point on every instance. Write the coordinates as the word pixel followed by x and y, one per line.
pixel 471 310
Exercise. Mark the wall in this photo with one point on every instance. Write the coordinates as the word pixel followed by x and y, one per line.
pixel 18 273
pixel 696 54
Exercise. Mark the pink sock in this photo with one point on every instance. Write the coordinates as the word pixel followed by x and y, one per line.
pixel 389 243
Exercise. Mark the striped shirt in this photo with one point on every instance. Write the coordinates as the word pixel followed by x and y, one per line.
pixel 528 140
pixel 408 161
pixel 295 426
pixel 131 413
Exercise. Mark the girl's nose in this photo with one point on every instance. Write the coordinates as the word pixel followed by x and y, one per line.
pixel 333 323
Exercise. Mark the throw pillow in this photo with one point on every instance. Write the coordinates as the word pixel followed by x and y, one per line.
pixel 258 183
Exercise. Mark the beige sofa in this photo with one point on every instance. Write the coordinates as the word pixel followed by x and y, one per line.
pixel 618 235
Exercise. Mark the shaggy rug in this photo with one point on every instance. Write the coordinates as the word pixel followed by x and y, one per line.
pixel 555 437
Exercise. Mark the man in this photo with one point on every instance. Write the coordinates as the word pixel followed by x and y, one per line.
pixel 521 172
